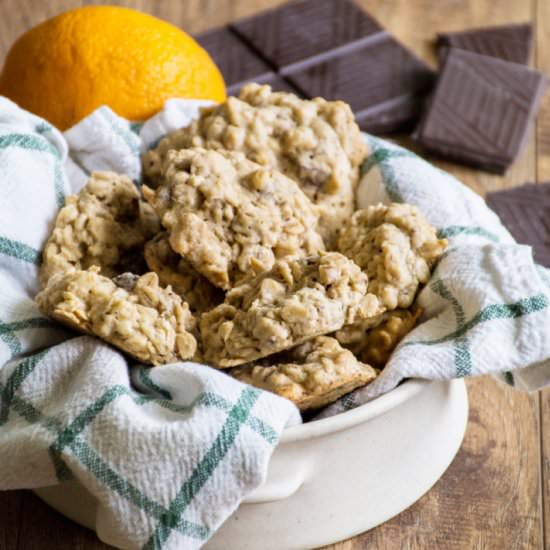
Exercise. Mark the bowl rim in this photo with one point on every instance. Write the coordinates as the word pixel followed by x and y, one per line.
pixel 363 413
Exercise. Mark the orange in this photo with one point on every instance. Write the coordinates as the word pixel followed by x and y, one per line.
pixel 71 64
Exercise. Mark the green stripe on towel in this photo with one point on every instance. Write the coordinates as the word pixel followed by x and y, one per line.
pixel 20 251
pixel 491 312
pixel 28 142
pixel 453 230
pixel 17 377
pixel 236 417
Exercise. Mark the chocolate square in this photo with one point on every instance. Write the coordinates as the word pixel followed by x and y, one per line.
pixel 481 110
pixel 300 31
pixel 384 83
pixel 525 211
pixel 237 63
pixel 508 42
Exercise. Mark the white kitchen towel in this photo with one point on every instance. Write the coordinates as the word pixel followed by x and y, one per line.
pixel 168 453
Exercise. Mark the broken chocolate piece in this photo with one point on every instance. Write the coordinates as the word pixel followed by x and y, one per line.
pixel 525 211
pixel 481 110
pixel 508 42
pixel 528 192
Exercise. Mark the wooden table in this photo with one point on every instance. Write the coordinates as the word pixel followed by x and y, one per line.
pixel 496 493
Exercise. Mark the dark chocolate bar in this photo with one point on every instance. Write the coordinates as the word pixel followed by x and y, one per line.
pixel 328 48
pixel 238 63
pixel 525 211
pixel 481 110
pixel 508 42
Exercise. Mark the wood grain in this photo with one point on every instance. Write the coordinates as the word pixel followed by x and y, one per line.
pixel 10 514
pixel 42 529
pixel 491 496
pixel 542 59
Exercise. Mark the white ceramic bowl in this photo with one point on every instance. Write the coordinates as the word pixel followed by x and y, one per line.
pixel 337 477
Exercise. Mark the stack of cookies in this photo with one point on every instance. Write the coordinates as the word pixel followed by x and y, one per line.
pixel 243 250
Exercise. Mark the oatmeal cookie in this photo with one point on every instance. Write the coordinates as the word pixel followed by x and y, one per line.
pixel 146 321
pixel 228 216
pixel 295 301
pixel 395 246
pixel 105 224
pixel 373 342
pixel 315 142
pixel 177 272
pixel 311 375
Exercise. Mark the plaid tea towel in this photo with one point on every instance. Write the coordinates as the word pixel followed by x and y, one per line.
pixel 168 453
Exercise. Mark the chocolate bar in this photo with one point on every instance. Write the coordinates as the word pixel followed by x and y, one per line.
pixel 481 110
pixel 328 48
pixel 238 63
pixel 508 42
pixel 525 211
pixel 303 32
pixel 527 192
